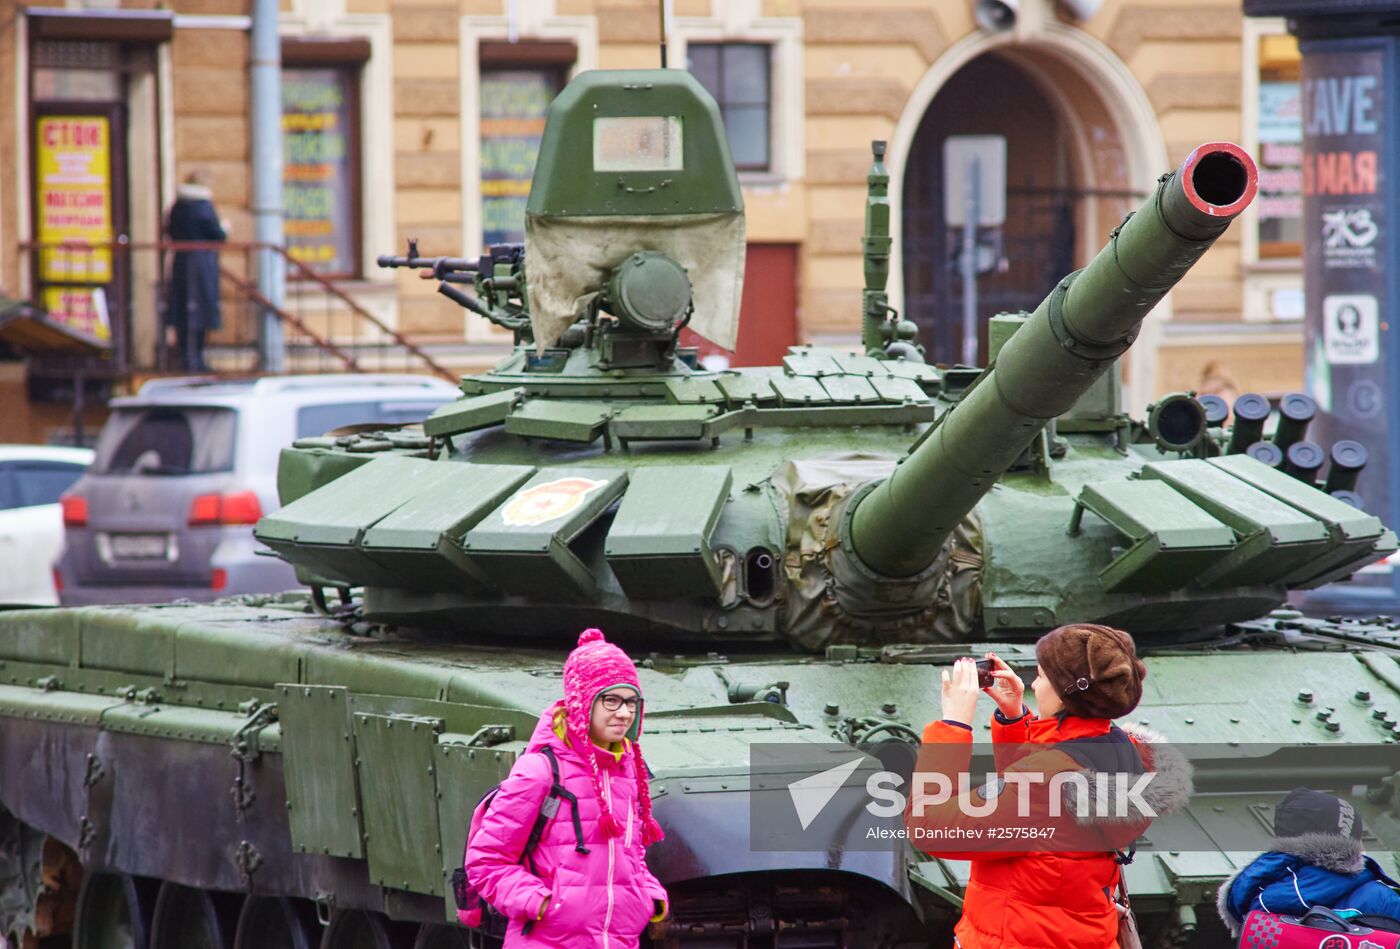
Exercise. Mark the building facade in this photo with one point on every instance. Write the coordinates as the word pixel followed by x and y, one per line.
pixel 406 119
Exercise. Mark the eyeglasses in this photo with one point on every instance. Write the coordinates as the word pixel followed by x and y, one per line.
pixel 612 701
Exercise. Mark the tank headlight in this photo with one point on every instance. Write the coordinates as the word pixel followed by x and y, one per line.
pixel 649 292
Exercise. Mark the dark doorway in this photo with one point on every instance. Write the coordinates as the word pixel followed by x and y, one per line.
pixel 992 95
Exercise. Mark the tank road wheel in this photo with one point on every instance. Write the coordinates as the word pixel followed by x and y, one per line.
pixel 439 936
pixel 275 922
pixel 114 912
pixel 357 929
pixel 39 883
pixel 191 918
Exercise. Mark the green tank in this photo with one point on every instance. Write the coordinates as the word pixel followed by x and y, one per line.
pixel 791 553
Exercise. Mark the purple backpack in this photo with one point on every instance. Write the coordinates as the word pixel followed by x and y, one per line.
pixel 472 909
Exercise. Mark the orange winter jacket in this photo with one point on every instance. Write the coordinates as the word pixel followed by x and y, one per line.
pixel 1053 890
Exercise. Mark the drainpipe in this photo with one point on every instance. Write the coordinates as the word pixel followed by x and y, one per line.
pixel 265 77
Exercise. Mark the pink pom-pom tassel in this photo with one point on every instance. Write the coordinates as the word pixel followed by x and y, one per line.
pixel 610 824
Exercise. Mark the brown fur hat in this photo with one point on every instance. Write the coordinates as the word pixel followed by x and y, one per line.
pixel 1094 669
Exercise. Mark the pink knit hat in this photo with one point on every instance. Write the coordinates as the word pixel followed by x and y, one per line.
pixel 596 666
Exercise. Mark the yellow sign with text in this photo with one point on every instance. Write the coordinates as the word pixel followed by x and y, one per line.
pixel 74 199
pixel 80 308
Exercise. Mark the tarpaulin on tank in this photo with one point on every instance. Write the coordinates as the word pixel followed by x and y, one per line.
pixel 571 257
pixel 834 599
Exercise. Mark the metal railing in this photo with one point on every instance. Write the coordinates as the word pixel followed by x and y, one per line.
pixel 324 327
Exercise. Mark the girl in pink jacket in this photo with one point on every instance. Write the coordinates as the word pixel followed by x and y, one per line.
pixel 576 893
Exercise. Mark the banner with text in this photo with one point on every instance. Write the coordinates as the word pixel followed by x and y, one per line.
pixel 1345 251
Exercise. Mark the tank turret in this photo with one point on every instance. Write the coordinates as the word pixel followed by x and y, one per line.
pixel 600 475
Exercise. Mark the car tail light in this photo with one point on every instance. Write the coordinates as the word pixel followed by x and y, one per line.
pixel 218 578
pixel 75 510
pixel 240 507
pixel 57 580
pixel 236 507
pixel 204 510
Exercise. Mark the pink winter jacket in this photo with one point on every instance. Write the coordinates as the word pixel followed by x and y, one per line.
pixel 602 898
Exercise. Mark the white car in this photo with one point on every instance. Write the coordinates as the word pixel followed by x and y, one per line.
pixel 32 477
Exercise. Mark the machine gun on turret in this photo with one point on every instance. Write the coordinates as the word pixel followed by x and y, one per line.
pixel 497 277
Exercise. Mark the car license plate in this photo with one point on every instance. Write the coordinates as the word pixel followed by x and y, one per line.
pixel 139 546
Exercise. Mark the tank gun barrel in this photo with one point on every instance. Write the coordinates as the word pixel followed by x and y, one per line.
pixel 1091 317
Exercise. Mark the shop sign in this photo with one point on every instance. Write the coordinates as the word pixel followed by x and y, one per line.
pixel 80 308
pixel 74 197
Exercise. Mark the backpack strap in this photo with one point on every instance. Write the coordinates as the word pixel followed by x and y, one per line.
pixel 548 809
pixel 558 792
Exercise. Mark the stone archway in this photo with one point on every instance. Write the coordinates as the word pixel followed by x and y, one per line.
pixel 1108 132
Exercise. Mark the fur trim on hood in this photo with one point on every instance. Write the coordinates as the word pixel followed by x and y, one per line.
pixel 1328 851
pixel 1222 903
pixel 193 192
pixel 1169 790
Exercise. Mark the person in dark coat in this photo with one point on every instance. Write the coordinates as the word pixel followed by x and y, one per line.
pixel 1316 860
pixel 192 306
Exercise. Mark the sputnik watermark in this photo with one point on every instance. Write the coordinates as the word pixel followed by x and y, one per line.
pixel 1082 795
pixel 1096 795
pixel 852 803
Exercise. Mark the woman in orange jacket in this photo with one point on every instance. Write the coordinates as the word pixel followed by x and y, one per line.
pixel 1045 839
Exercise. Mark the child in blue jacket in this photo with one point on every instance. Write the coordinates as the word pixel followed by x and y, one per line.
pixel 1316 861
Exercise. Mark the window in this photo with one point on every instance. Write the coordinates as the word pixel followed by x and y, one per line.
pixel 313 420
pixel 1280 204
pixel 320 170
pixel 32 483
pixel 166 441
pixel 514 101
pixel 637 143
pixel 739 76
pixel 79 70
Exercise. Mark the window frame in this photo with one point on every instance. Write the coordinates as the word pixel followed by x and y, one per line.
pixel 723 46
pixel 310 55
pixel 1265 277
pixel 554 57
pixel 1271 250
pixel 476 32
